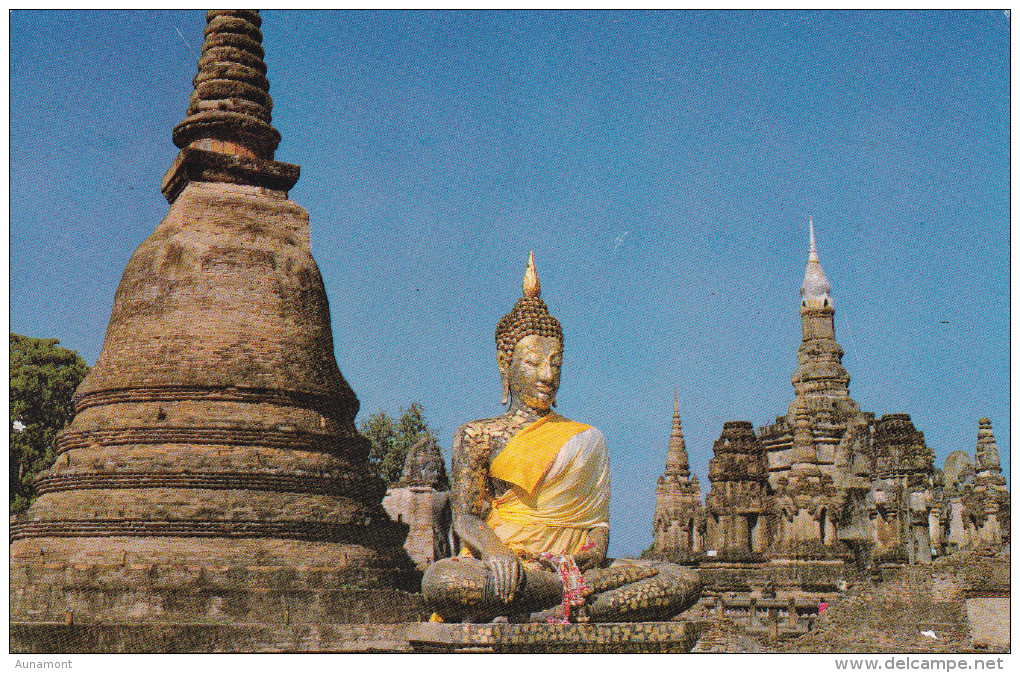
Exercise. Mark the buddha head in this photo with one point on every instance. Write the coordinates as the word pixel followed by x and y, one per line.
pixel 529 348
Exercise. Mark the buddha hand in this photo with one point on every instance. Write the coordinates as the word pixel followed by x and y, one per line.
pixel 504 577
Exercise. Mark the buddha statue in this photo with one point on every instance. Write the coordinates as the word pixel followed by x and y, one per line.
pixel 531 504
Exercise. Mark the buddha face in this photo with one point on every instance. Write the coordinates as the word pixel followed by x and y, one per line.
pixel 534 374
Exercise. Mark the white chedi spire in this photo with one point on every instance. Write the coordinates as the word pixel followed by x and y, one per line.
pixel 815 291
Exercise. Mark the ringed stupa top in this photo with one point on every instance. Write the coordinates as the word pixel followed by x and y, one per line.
pixel 228 134
pixel 815 290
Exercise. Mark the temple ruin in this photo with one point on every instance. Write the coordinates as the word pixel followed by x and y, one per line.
pixel 212 492
pixel 827 494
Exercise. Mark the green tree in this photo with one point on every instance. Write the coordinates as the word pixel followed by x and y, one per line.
pixel 44 377
pixel 391 438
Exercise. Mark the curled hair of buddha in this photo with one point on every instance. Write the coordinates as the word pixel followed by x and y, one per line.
pixel 529 316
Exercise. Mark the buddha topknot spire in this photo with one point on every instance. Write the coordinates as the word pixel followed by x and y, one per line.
pixel 228 134
pixel 529 316
pixel 530 287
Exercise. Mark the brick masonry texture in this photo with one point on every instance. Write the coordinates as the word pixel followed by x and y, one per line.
pixel 216 410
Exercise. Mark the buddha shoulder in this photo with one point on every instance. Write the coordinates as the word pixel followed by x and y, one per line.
pixel 498 427
pixel 475 429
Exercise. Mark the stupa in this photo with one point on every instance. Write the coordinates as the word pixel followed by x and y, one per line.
pixel 213 468
pixel 679 515
pixel 990 495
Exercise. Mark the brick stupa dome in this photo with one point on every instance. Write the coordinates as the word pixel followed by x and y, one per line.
pixel 216 428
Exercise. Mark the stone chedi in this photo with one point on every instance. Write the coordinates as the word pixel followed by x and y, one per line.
pixel 679 515
pixel 531 503
pixel 215 437
pixel 804 447
pixel 975 504
pixel 990 489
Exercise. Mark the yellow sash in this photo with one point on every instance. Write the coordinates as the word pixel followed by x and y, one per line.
pixel 530 453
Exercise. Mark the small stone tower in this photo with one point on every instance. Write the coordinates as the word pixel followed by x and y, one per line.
pixel 214 456
pixel 991 499
pixel 738 503
pixel 421 499
pixel 679 515
pixel 905 492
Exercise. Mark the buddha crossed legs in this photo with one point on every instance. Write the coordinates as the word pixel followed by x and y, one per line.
pixel 531 504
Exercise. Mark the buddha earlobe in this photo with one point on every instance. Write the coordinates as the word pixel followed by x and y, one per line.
pixel 506 388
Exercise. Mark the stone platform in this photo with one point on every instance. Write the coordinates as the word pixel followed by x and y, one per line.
pixel 641 637
pixel 84 593
pixel 190 638
pixel 422 637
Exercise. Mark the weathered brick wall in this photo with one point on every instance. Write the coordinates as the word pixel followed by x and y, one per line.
pixel 219 638
pixel 181 593
pixel 891 616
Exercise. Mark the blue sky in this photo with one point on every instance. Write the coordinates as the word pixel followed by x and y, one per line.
pixel 662 166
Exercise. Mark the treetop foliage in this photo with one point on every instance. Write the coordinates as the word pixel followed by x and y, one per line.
pixel 44 377
pixel 391 438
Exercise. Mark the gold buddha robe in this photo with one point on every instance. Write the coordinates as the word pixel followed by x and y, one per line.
pixel 559 475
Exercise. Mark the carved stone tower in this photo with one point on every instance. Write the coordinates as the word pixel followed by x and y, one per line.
pixel 737 506
pixel 905 492
pixel 805 456
pixel 216 432
pixel 991 499
pixel 679 515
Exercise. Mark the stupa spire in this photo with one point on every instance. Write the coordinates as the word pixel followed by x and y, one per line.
pixel 228 134
pixel 815 290
pixel 821 382
pixel 676 457
pixel 230 107
pixel 677 497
